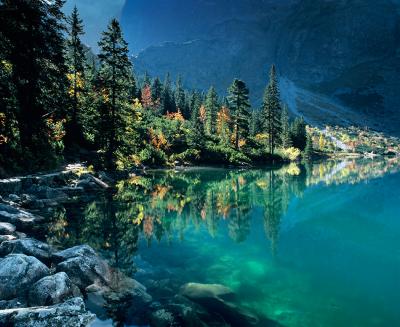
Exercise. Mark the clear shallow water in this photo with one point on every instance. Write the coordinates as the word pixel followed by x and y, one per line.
pixel 304 246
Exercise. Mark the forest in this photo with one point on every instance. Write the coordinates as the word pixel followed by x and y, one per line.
pixel 61 103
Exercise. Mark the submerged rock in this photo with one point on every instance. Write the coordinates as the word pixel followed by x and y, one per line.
pixel 28 246
pixel 219 299
pixel 17 273
pixel 71 313
pixel 52 290
pixel 83 266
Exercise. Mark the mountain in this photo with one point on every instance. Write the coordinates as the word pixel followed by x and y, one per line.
pixel 339 60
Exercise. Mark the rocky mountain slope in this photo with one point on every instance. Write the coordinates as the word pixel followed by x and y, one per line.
pixel 338 60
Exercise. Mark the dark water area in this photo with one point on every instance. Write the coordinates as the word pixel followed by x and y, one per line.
pixel 302 245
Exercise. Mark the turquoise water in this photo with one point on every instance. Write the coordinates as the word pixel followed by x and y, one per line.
pixel 315 245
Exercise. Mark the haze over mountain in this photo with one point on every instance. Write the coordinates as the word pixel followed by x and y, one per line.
pixel 338 59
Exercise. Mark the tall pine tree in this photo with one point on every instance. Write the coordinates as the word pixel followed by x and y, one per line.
pixel 114 81
pixel 239 105
pixel 272 111
pixel 75 55
pixel 211 105
pixel 285 134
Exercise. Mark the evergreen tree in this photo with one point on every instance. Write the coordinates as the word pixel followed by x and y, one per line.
pixel 194 105
pixel 33 31
pixel 285 134
pixel 272 111
pixel 239 106
pixel 179 96
pixel 75 57
pixel 114 81
pixel 156 92
pixel 256 123
pixel 308 150
pixel 299 133
pixel 167 100
pixel 211 105
pixel 196 137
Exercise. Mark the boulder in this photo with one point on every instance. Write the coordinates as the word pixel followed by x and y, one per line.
pixel 14 198
pixel 46 192
pixel 122 291
pixel 219 299
pixel 17 273
pixel 7 238
pixel 83 266
pixel 7 228
pixel 71 313
pixel 18 217
pixel 10 185
pixel 12 304
pixel 52 289
pixel 28 246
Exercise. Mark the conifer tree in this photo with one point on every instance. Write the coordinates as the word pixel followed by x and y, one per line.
pixel 299 133
pixel 211 105
pixel 75 57
pixel 285 134
pixel 34 33
pixel 179 95
pixel 272 111
pixel 308 150
pixel 167 101
pixel 239 106
pixel 156 92
pixel 114 79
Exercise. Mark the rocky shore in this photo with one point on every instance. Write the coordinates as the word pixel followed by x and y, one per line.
pixel 41 285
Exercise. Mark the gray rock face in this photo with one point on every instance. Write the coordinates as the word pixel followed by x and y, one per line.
pixel 17 273
pixel 347 50
pixel 27 246
pixel 71 313
pixel 218 298
pixel 7 228
pixel 52 290
pixel 83 266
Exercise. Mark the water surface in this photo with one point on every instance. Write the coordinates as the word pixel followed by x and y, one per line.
pixel 314 245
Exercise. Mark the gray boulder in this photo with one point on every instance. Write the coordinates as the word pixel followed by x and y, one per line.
pixel 71 313
pixel 83 266
pixel 52 290
pixel 18 217
pixel 27 246
pixel 17 273
pixel 46 192
pixel 7 238
pixel 219 299
pixel 7 228
pixel 14 198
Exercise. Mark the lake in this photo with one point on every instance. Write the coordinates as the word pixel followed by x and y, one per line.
pixel 302 245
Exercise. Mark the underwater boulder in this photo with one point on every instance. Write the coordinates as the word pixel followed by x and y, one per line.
pixel 219 299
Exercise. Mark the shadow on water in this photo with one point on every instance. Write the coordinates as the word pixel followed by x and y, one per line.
pixel 167 228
